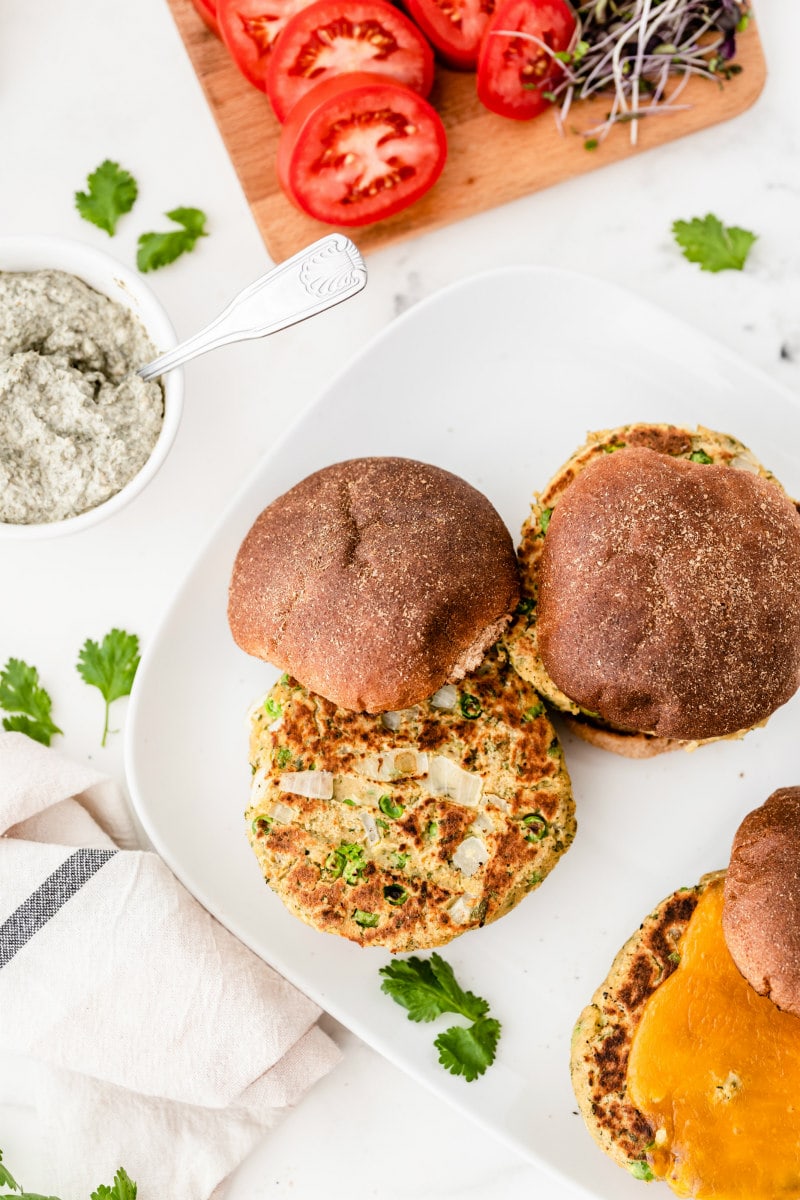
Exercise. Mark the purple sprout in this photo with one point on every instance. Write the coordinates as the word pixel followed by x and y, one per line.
pixel 631 49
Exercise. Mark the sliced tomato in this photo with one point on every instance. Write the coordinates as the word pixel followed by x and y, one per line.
pixel 515 72
pixel 249 29
pixel 358 148
pixel 331 37
pixel 207 9
pixel 455 27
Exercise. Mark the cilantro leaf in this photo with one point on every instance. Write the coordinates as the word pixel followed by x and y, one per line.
pixel 112 192
pixel 110 667
pixel 29 1196
pixel 427 988
pixel 412 984
pixel 6 1178
pixel 159 249
pixel 22 695
pixel 124 1188
pixel 716 247
pixel 466 1003
pixel 469 1051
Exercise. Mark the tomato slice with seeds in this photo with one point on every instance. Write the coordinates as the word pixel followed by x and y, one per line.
pixel 515 72
pixel 331 37
pixel 249 29
pixel 455 27
pixel 358 148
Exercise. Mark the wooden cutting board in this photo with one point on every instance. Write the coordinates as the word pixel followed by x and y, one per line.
pixel 491 160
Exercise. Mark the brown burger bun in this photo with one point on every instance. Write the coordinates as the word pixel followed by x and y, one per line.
pixel 669 598
pixel 628 745
pixel 374 582
pixel 761 913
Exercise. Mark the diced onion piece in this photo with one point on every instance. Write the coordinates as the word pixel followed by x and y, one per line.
pixel 484 822
pixel 315 785
pixel 403 763
pixel 446 697
pixel 360 791
pixel 370 828
pixel 461 909
pixel 745 462
pixel 255 709
pixel 284 814
pixel 391 720
pixel 497 801
pixel 447 778
pixel 259 784
pixel 470 856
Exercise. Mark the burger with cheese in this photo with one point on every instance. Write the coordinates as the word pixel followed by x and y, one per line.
pixel 686 1064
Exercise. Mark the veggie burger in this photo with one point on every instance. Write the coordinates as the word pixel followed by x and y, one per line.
pixel 407 783
pixel 661 581
pixel 686 1063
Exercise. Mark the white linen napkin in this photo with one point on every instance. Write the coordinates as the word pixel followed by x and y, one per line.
pixel 160 1042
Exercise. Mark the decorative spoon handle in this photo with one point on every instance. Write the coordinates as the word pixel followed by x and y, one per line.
pixel 320 276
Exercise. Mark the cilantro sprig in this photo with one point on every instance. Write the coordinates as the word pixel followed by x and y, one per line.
pixel 427 988
pixel 123 1187
pixel 111 192
pixel 22 695
pixel 110 667
pixel 714 246
pixel 159 249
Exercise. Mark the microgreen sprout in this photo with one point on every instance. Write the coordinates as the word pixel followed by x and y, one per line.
pixel 636 50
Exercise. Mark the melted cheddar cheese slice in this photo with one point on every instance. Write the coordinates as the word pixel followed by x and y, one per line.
pixel 715 1068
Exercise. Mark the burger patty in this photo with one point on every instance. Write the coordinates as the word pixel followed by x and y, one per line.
pixel 603 1035
pixel 701 446
pixel 416 825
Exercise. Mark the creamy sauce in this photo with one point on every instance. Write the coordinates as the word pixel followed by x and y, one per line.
pixel 715 1069
pixel 75 424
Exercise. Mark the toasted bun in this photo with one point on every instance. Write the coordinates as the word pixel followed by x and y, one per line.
pixel 669 598
pixel 629 745
pixel 761 915
pixel 374 582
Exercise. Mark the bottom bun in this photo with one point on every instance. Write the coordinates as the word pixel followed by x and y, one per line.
pixel 629 745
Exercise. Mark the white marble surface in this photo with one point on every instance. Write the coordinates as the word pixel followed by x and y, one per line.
pixel 81 80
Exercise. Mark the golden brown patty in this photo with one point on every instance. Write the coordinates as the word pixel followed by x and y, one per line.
pixel 420 824
pixel 603 1035
pixel 761 915
pixel 664 600
pixel 374 581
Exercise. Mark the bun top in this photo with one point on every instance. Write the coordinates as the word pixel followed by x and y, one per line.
pixel 669 598
pixel 761 914
pixel 374 582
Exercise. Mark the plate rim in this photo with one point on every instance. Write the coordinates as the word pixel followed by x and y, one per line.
pixel 327 1003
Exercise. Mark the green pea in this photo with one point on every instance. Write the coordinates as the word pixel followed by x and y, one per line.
pixel 389 808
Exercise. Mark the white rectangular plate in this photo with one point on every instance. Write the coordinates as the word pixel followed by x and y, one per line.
pixel 498 379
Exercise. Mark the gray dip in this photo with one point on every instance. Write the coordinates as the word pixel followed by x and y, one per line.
pixel 75 424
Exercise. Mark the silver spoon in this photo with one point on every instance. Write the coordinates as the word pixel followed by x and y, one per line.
pixel 320 276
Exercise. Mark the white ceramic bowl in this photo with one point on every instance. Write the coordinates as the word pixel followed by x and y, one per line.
pixel 105 274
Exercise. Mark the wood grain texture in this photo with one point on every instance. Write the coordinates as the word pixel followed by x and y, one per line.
pixel 491 160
